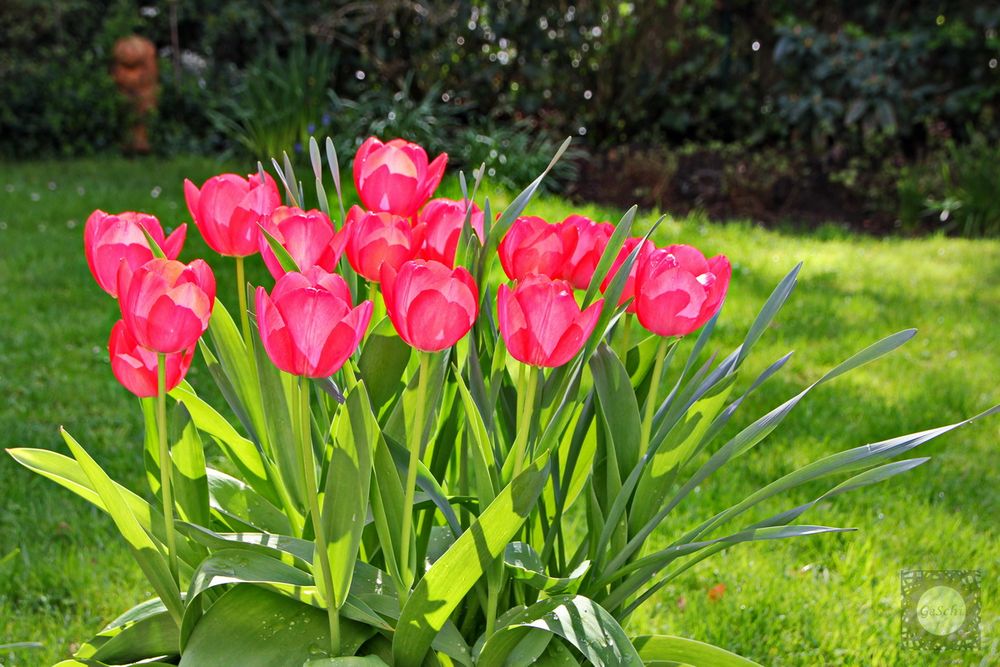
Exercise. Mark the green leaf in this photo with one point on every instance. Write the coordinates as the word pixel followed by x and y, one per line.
pixel 67 473
pixel 768 312
pixel 382 364
pixel 253 627
pixel 664 650
pixel 580 621
pixel 526 565
pixel 241 452
pixel 350 661
pixel 348 480
pixel 618 402
pixel 284 259
pixel 190 483
pixel 231 497
pixel 611 250
pixel 144 550
pixel 143 632
pixel 446 584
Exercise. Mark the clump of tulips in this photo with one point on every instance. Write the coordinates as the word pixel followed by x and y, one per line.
pixel 416 432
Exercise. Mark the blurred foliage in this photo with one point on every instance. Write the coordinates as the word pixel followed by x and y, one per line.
pixel 856 87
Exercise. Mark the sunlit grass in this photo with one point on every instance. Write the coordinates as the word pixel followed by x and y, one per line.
pixel 830 600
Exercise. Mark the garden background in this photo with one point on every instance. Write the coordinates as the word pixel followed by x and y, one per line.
pixel 861 139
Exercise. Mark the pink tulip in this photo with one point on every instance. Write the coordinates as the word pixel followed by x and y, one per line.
pixel 443 220
pixel 541 322
pixel 584 242
pixel 166 305
pixel 109 238
pixel 431 305
pixel 532 245
pixel 394 177
pixel 628 291
pixel 135 366
pixel 307 324
pixel 374 239
pixel 678 290
pixel 228 209
pixel 308 236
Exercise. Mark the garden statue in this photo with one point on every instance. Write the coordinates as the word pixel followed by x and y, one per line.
pixel 136 74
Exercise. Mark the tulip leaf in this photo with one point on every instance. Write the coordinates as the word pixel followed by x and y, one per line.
pixel 664 649
pixel 190 484
pixel 525 564
pixel 348 481
pixel 769 311
pixel 286 261
pixel 154 247
pixel 622 231
pixel 234 498
pixel 446 583
pixel 383 361
pixel 253 627
pixel 144 550
pixel 618 403
pixel 480 448
pixel 580 621
pixel 67 472
pixel 241 452
pixel 143 632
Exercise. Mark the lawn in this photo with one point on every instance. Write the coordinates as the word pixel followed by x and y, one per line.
pixel 830 600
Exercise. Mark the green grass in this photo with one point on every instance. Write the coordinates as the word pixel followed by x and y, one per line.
pixel 830 600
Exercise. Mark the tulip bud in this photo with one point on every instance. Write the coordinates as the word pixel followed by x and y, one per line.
pixel 228 209
pixel 394 177
pixel 678 290
pixel 165 304
pixel 431 305
pixel 532 245
pixel 541 323
pixel 136 367
pixel 443 220
pixel 109 238
pixel 374 239
pixel 308 236
pixel 307 324
pixel 584 242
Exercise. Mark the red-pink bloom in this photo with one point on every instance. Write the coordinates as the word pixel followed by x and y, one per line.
pixel 431 305
pixel 166 305
pixel 678 290
pixel 228 209
pixel 541 322
pixel 394 177
pixel 135 366
pixel 307 324
pixel 109 238
pixel 532 245
pixel 374 239
pixel 443 220
pixel 583 241
pixel 628 291
pixel 308 236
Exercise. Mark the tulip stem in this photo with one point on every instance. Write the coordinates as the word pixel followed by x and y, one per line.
pixel 416 438
pixel 166 467
pixel 241 293
pixel 524 418
pixel 654 389
pixel 309 473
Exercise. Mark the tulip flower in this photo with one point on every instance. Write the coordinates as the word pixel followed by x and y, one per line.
pixel 584 242
pixel 109 238
pixel 394 177
pixel 374 239
pixel 628 291
pixel 431 305
pixel 541 322
pixel 166 305
pixel 307 324
pixel 135 366
pixel 678 290
pixel 532 245
pixel 308 236
pixel 443 220
pixel 228 209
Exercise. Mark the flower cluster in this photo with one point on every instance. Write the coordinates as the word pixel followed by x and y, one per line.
pixel 398 240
